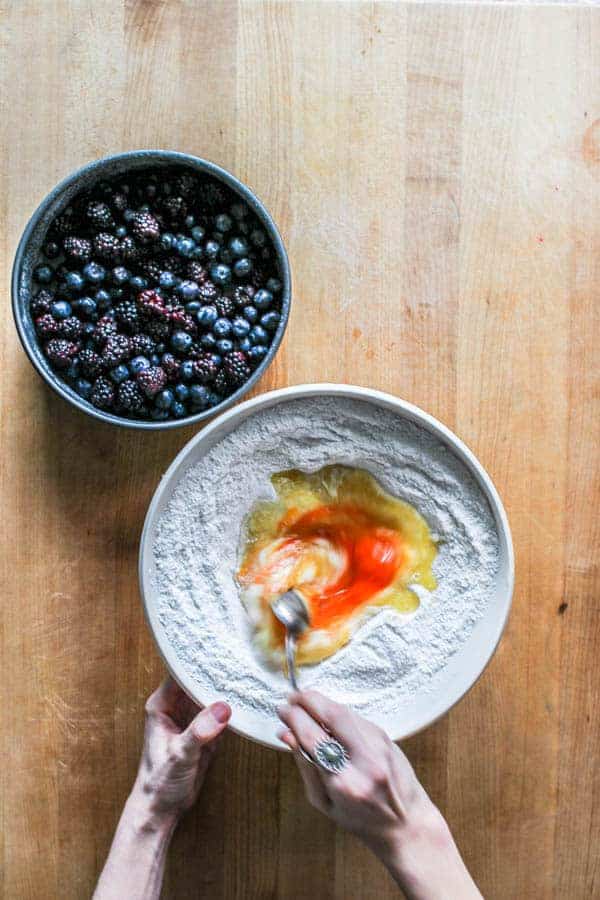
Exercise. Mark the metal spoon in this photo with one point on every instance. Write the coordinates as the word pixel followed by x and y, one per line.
pixel 292 612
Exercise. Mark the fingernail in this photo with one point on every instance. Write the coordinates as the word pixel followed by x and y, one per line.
pixel 221 712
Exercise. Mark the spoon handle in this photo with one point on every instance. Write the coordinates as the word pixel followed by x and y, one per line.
pixel 290 655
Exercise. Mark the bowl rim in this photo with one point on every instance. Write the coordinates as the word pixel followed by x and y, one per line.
pixel 167 156
pixel 356 392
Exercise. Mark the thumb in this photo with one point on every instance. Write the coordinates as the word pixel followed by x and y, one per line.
pixel 204 728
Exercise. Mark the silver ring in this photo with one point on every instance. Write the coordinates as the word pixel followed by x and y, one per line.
pixel 330 755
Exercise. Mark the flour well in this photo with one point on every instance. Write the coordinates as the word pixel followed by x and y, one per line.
pixel 390 658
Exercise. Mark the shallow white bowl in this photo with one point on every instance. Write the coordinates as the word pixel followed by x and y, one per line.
pixel 463 669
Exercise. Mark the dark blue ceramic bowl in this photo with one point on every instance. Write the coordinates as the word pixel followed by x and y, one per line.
pixel 33 239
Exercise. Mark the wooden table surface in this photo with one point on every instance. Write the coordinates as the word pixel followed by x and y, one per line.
pixel 435 172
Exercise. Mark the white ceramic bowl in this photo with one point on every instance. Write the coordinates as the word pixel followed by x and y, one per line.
pixel 467 664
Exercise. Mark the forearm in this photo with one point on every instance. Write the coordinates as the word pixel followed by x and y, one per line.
pixel 426 863
pixel 136 861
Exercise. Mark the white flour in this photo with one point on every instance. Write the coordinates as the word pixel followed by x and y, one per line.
pixel 390 657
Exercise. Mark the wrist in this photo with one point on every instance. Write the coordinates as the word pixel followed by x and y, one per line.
pixel 145 815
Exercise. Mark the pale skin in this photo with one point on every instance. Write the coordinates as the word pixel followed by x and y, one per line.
pixel 377 797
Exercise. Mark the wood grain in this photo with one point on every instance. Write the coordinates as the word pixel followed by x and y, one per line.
pixel 435 171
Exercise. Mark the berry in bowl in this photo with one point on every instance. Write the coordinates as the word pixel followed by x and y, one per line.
pixel 151 289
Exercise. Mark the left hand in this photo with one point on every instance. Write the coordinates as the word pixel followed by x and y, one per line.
pixel 179 743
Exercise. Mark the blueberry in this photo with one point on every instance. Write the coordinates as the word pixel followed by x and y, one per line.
pixel 182 391
pixel 184 246
pixel 242 267
pixel 243 228
pixel 167 280
pixel 238 247
pixel 199 396
pixel 197 253
pixel 167 240
pixel 120 275
pixel 51 250
pixel 190 221
pixel 258 237
pixel 181 341
pixel 138 283
pixel 119 374
pixel 94 272
pixel 226 256
pixel 75 281
pixel 218 238
pixel 240 327
pixel 85 307
pixel 159 414
pixel 61 309
pixel 220 273
pixel 222 328
pixel 263 299
pixel 193 307
pixel 258 335
pixel 89 328
pixel 160 348
pixel 116 293
pixel 155 359
pixel 245 344
pixel 138 363
pixel 216 358
pixel 188 290
pixel 274 285
pixel 102 299
pixel 178 410
pixel 187 370
pixel 224 345
pixel 211 248
pixel 270 320
pixel 43 274
pixel 164 399
pixel 198 233
pixel 121 231
pixel 214 399
pixel 259 351
pixel 129 215
pixel 251 314
pixel 73 370
pixel 223 222
pixel 207 316
pixel 83 387
pixel 208 341
pixel 239 211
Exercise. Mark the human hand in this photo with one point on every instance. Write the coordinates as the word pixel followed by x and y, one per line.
pixel 377 797
pixel 179 743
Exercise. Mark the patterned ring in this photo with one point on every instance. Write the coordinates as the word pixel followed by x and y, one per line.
pixel 331 755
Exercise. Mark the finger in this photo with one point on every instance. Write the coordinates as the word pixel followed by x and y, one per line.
pixel 307 732
pixel 204 728
pixel 287 737
pixel 164 697
pixel 313 786
pixel 339 720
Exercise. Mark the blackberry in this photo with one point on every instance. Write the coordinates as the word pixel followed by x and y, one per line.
pixel 151 381
pixel 129 249
pixel 41 303
pixel 77 248
pixel 152 305
pixel 197 272
pixel 126 314
pixel 129 397
pixel 157 329
pixel 65 223
pixel 105 328
pixel 209 292
pixel 205 368
pixel 236 368
pixel 175 208
pixel 99 214
pixel 116 350
pixel 151 269
pixel 60 352
pixel 176 265
pixel 225 305
pixel 171 367
pixel 71 328
pixel 91 363
pixel 185 184
pixel 107 246
pixel 142 345
pixel 47 326
pixel 102 394
pixel 211 195
pixel 119 201
pixel 222 384
pixel 240 296
pixel 145 227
